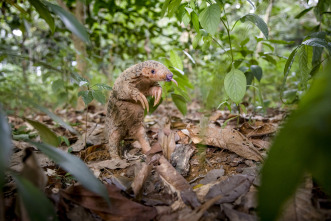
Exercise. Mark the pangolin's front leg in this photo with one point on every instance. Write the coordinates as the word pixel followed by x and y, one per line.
pixel 156 92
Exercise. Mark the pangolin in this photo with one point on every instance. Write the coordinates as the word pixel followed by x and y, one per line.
pixel 127 102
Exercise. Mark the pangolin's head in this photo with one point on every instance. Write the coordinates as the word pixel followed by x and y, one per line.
pixel 156 71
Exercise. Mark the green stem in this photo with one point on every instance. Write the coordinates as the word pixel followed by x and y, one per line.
pixel 229 36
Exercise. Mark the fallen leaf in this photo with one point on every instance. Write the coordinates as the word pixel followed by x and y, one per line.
pixel 175 181
pixel 236 215
pixel 180 158
pixel 264 129
pixel 140 179
pixel 212 176
pixel 299 207
pixel 120 207
pixel 115 163
pixel 231 188
pixel 229 139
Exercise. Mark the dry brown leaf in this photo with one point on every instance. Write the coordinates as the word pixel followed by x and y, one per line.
pixel 229 139
pixel 261 144
pixel 140 179
pixel 115 163
pixel 264 129
pixel 300 207
pixel 176 182
pixel 120 207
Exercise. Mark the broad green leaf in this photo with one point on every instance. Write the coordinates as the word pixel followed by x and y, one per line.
pixel 317 42
pixel 303 65
pixel 57 85
pixel 195 21
pixel 255 19
pixel 44 13
pixel 46 135
pixel 186 18
pixel 269 46
pixel 75 166
pixel 302 13
pixel 55 118
pixel 301 147
pixel 103 86
pixel 173 6
pixel 317 54
pixel 235 85
pixel 180 103
pixel 249 77
pixel 36 203
pixel 70 22
pixel 257 72
pixel 165 7
pixel 279 41
pixel 5 146
pixel 287 68
pixel 175 60
pixel 196 40
pixel 189 56
pixel 244 42
pixel 99 96
pixel 87 96
pixel 210 18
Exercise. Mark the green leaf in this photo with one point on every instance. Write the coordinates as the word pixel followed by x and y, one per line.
pixel 257 72
pixel 235 85
pixel 103 86
pixel 165 7
pixel 287 68
pixel 70 22
pixel 303 65
pixel 289 62
pixel 36 203
pixel 57 85
pixel 255 19
pixel 44 13
pixel 180 103
pixel 99 96
pixel 45 133
pixel 175 60
pixel 173 6
pixel 269 46
pixel 55 118
pixel 318 42
pixel 210 18
pixel 87 96
pixel 244 42
pixel 302 13
pixel 301 147
pixel 249 77
pixel 5 146
pixel 75 166
pixel 279 41
pixel 195 21
pixel 196 40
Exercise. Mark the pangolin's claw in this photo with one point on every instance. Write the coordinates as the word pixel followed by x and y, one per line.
pixel 157 92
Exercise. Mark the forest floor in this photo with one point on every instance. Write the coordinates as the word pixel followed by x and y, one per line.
pixel 217 160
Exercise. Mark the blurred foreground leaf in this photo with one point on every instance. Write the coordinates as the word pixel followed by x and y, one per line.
pixel 75 166
pixel 302 146
pixel 35 202
pixel 5 146
pixel 46 135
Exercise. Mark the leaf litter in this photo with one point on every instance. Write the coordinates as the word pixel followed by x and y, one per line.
pixel 198 169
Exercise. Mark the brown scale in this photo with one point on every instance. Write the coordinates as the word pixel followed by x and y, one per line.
pixel 127 102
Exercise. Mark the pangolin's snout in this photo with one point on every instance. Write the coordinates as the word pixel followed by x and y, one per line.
pixel 169 78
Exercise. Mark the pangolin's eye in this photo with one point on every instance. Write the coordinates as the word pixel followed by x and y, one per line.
pixel 153 71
